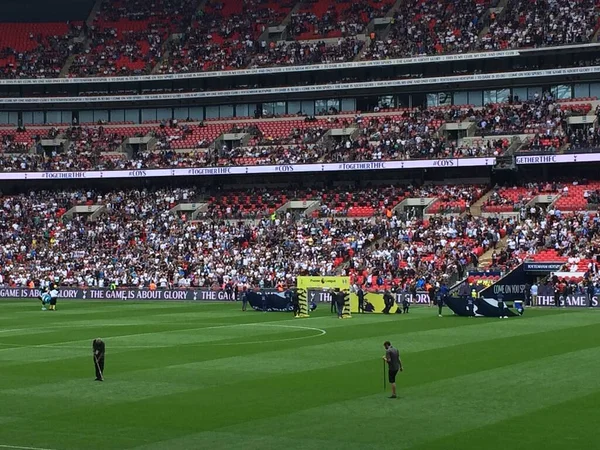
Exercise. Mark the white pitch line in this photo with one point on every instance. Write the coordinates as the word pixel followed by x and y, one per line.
pixel 19 447
pixel 58 345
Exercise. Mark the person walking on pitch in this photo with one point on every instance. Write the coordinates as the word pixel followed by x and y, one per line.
pixel 392 358
pixel 99 348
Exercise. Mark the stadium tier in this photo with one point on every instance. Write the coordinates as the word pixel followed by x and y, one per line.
pixel 122 38
pixel 539 126
pixel 260 237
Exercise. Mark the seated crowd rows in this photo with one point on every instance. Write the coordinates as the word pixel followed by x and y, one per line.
pixel 402 134
pixel 238 238
pixel 170 36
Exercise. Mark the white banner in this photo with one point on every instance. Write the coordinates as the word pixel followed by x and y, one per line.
pixel 573 71
pixel 553 159
pixel 243 170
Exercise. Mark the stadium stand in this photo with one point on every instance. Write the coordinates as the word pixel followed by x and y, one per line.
pixel 541 125
pixel 174 36
pixel 526 24
pixel 127 38
pixel 36 50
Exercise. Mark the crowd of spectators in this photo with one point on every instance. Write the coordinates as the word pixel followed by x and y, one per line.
pixel 388 135
pixel 43 56
pixel 568 235
pixel 116 53
pixel 127 38
pixel 542 114
pixel 439 250
pixel 286 53
pixel 340 18
pixel 130 38
pixel 223 37
pixel 429 28
pixel 137 240
pixel 9 144
pixel 541 23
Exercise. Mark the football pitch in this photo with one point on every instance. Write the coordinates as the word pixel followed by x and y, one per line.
pixel 208 376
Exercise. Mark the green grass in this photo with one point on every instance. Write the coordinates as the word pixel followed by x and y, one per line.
pixel 207 376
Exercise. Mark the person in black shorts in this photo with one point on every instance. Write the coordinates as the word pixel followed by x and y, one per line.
pixel 99 348
pixel 392 357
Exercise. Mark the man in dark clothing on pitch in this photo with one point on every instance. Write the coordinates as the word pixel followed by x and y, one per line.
pixel 501 306
pixel 334 300
pixel 340 299
pixel 295 302
pixel 388 301
pixel 361 299
pixel 99 348
pixel 392 357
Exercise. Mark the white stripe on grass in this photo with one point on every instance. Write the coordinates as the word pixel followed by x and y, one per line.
pixel 59 345
pixel 20 447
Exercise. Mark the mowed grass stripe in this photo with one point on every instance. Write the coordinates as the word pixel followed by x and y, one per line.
pixel 154 338
pixel 306 354
pixel 569 424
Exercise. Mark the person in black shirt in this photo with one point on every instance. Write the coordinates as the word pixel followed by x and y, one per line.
pixel 405 303
pixel 392 357
pixel 591 290
pixel 99 348
pixel 470 306
pixel 557 294
pixel 334 300
pixel 340 300
pixel 295 302
pixel 388 301
pixel 361 299
pixel 500 298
